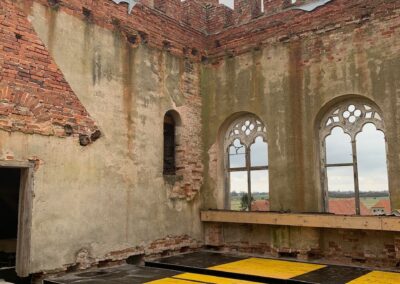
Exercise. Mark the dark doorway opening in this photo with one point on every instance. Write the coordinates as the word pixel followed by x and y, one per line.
pixel 10 180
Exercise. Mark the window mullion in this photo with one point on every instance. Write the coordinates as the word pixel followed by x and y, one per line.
pixel 355 170
pixel 248 177
pixel 228 181
pixel 323 170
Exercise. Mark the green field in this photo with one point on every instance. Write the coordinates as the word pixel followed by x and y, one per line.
pixel 371 201
pixel 235 203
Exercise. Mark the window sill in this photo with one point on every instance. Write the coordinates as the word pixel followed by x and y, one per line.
pixel 380 223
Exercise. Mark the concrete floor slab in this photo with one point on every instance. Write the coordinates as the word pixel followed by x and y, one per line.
pixel 114 275
pixel 218 268
pixel 277 269
pixel 202 259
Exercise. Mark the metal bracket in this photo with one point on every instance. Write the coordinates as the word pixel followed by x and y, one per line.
pixel 131 3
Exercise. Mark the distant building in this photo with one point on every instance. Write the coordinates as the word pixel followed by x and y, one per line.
pixel 382 207
pixel 260 205
pixel 346 206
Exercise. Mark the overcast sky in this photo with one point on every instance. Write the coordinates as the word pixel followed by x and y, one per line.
pixel 258 157
pixel 371 154
pixel 228 3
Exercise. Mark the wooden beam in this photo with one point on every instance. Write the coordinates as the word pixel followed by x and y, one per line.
pixel 380 223
pixel 391 224
pixel 24 223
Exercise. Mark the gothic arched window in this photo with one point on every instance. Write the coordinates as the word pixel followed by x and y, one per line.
pixel 354 167
pixel 247 165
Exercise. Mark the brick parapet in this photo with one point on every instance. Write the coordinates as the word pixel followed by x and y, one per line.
pixel 183 23
pixel 152 22
pixel 210 17
pixel 289 24
pixel 196 28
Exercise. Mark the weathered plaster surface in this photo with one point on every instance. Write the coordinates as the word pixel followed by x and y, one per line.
pixel 110 200
pixel 109 196
pixel 289 85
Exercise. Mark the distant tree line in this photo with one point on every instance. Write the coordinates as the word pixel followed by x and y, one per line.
pixel 332 194
pixel 255 195
pixel 350 194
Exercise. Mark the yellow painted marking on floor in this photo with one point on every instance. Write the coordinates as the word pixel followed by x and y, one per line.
pixel 268 268
pixel 171 281
pixel 212 279
pixel 378 277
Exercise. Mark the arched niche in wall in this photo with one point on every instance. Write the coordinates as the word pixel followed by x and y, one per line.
pixel 172 120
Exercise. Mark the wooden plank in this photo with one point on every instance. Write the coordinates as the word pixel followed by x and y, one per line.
pixel 304 220
pixel 24 214
pixel 391 224
pixel 24 222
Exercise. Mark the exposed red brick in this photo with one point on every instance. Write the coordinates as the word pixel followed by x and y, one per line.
pixel 34 95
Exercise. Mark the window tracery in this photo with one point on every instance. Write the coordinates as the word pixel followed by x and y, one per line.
pixel 246 129
pixel 353 152
pixel 247 165
pixel 351 118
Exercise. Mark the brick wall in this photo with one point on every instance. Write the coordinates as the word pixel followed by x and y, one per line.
pixel 158 24
pixel 189 167
pixel 194 14
pixel 354 247
pixel 35 97
pixel 289 24
pixel 183 26
pixel 168 246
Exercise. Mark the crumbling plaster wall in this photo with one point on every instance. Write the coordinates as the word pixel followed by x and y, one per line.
pixel 289 83
pixel 110 200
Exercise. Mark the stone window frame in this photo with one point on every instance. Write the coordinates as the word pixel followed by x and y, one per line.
pixel 351 121
pixel 237 130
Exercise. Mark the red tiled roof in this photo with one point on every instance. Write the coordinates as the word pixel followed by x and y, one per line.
pixel 260 205
pixel 385 204
pixel 346 206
